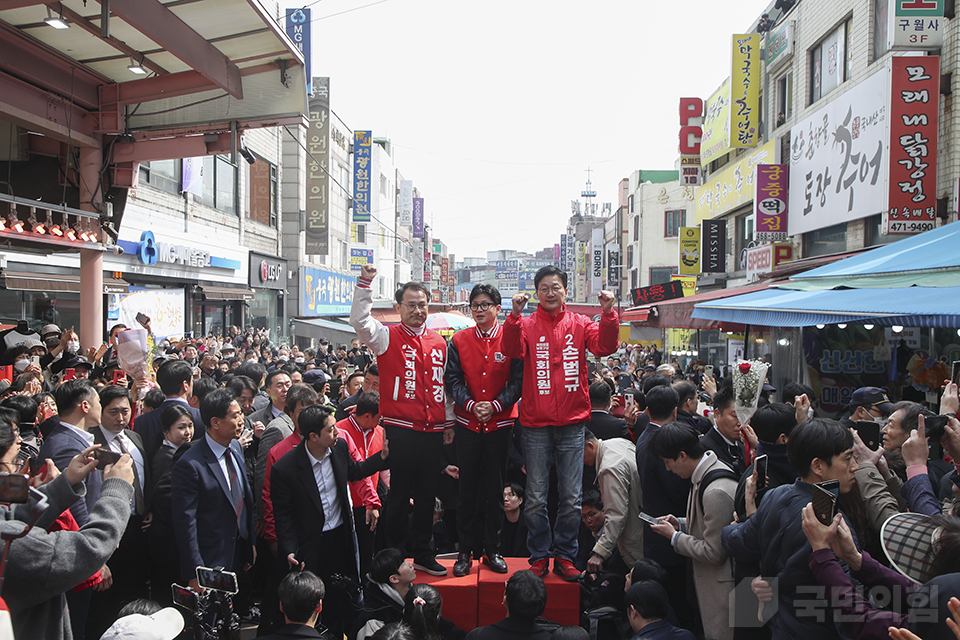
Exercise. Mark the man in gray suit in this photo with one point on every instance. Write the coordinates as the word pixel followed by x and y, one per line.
pixel 709 510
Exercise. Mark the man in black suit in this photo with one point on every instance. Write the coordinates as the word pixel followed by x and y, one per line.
pixel 724 437
pixel 212 504
pixel 602 424
pixel 311 507
pixel 175 379
pixel 301 600
pixel 663 493
pixel 129 565
pixel 687 411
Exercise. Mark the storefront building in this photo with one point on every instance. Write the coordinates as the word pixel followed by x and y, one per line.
pixel 268 280
pixel 185 281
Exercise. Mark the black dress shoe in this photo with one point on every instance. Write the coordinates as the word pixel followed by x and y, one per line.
pixel 462 566
pixel 495 561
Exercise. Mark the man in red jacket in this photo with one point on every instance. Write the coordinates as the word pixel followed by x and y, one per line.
pixel 556 404
pixel 485 385
pixel 411 359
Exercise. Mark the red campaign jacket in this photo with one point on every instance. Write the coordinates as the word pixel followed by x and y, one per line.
pixel 362 446
pixel 411 380
pixel 553 348
pixel 478 370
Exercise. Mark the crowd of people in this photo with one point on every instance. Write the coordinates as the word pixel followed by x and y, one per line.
pixel 327 478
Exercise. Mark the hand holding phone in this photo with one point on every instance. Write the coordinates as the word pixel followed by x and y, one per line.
pixel 105 457
pixel 824 504
pixel 869 432
pixel 761 466
pixel 648 519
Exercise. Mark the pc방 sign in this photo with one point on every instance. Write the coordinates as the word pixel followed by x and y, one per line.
pixel 691 131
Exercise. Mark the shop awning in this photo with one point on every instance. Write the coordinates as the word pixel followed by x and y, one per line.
pixel 634 315
pixel 909 306
pixel 928 259
pixel 28 281
pixel 318 328
pixel 226 293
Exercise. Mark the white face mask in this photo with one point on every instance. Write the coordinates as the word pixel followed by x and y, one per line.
pixel 73 346
pixel 21 365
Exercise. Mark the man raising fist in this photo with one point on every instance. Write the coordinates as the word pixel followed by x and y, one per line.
pixel 412 360
pixel 556 403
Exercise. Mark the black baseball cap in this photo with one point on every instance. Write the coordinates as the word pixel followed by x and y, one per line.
pixel 872 398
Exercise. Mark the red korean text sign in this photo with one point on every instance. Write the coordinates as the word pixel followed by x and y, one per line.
pixel 914 119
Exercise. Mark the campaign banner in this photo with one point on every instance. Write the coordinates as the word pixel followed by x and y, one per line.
pixel 914 121
pixel 613 269
pixel 689 250
pixel 770 203
pixel 745 90
pixel 713 236
pixel 362 150
pixel 406 203
pixel 838 165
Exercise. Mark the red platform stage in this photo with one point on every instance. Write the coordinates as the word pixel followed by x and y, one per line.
pixel 459 594
pixel 477 598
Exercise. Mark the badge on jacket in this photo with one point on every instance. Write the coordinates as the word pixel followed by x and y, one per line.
pixel 499 357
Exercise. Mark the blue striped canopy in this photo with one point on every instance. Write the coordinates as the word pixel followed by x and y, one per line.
pixel 908 306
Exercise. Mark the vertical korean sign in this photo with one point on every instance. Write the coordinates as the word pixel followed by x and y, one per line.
pixel 713 234
pixel 689 247
pixel 418 217
pixel 317 222
pixel 914 110
pixel 361 175
pixel 298 30
pixel 596 262
pixel 745 90
pixel 771 201
pixel 406 203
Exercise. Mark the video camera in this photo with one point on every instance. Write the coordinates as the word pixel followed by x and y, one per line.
pixel 220 587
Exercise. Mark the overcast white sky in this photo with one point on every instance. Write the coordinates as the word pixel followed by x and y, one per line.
pixel 497 108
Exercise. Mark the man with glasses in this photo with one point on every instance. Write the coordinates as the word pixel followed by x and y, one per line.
pixel 411 359
pixel 485 386
pixel 553 344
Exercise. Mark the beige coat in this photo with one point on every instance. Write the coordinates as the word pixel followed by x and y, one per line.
pixel 712 568
pixel 620 490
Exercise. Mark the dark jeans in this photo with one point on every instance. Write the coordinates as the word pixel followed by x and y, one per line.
pixel 414 470
pixel 364 539
pixel 482 459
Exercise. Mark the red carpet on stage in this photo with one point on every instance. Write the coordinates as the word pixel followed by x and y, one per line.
pixel 563 598
pixel 477 598
pixel 459 594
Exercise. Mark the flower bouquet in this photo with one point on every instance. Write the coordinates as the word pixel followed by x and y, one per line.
pixel 748 377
